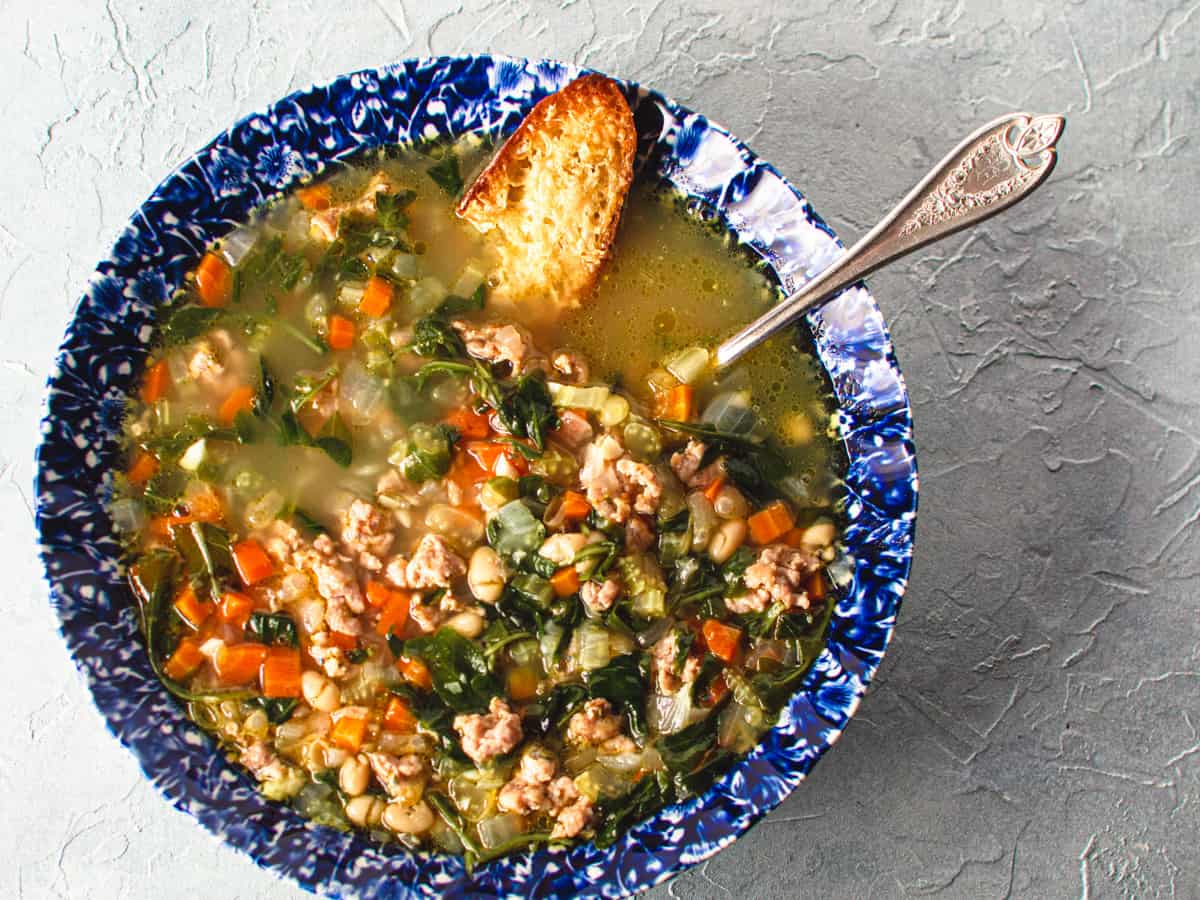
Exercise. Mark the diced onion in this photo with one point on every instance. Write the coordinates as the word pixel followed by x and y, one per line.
pixel 128 515
pixel 265 510
pixel 593 646
pixel 404 265
pixel 569 395
pixel 193 456
pixel 239 242
pixel 425 295
pixel 730 412
pixel 360 394
pixel 688 365
pixel 623 762
pixel 351 294
pixel 469 279
pixel 472 800
pixel 601 781
pixel 548 643
pixel 577 762
pixel 500 829
pixel 668 713
pixel 739 727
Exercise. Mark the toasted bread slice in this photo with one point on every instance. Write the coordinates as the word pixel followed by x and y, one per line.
pixel 552 196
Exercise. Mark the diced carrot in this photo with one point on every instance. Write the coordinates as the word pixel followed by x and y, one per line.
pixel 398 717
pixel 193 610
pixel 522 683
pixel 378 593
pixel 575 506
pixel 470 424
pixel 770 523
pixel 341 640
pixel 565 581
pixel 680 402
pixel 252 562
pixel 466 472
pixel 144 467
pixel 214 280
pixel 156 383
pixel 793 537
pixel 281 673
pixel 817 589
pixel 721 639
pixel 415 672
pixel 240 399
pixel 239 663
pixel 341 332
pixel 377 297
pixel 348 732
pixel 235 609
pixel 185 660
pixel 714 488
pixel 315 197
pixel 394 614
pixel 489 453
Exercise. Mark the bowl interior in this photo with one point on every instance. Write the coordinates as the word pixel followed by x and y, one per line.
pixel 112 330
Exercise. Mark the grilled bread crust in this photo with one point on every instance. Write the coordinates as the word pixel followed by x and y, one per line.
pixel 551 198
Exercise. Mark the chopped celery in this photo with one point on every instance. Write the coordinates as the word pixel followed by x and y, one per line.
pixel 688 365
pixel 569 395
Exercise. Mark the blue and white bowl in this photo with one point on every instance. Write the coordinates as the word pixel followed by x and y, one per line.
pixel 113 329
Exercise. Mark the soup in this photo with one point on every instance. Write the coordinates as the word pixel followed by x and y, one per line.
pixel 457 573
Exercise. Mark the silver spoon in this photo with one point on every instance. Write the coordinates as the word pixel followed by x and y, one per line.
pixel 1000 164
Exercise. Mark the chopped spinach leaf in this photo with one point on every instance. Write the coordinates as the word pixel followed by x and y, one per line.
pixel 454 305
pixel 527 410
pixel 278 709
pixel 447 175
pixel 186 323
pixel 622 682
pixel 265 395
pixel 389 209
pixel 434 337
pixel 274 629
pixel 462 676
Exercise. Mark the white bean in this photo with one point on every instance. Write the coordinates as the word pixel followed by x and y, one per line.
pixel 413 819
pixel 319 692
pixel 729 535
pixel 730 504
pixel 354 776
pixel 468 623
pixel 818 535
pixel 485 575
pixel 365 811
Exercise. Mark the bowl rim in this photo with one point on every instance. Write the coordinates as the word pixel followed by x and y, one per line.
pixel 819 739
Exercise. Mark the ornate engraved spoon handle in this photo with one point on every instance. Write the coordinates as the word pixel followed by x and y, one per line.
pixel 999 164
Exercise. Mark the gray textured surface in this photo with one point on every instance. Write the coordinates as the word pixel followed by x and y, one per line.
pixel 1035 730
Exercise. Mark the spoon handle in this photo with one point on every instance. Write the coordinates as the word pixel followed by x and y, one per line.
pixel 998 165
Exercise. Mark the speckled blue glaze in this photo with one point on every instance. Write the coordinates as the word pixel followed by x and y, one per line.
pixel 112 330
